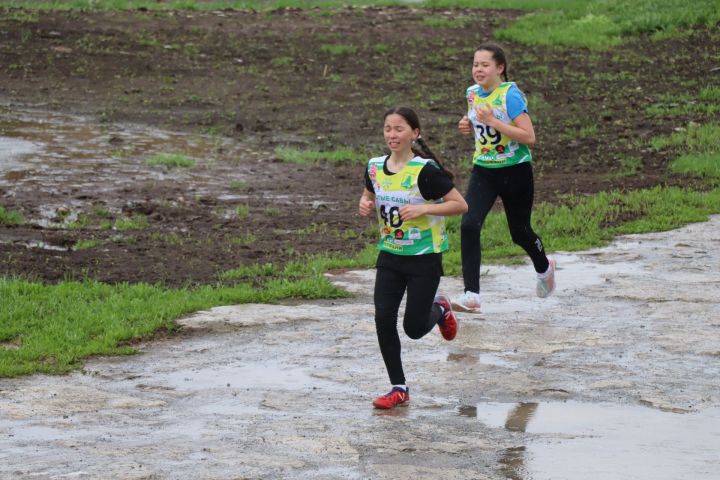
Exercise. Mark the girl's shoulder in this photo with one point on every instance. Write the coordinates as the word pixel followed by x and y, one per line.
pixel 380 159
pixel 512 87
pixel 474 90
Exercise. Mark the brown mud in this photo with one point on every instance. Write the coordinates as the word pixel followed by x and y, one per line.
pixel 245 83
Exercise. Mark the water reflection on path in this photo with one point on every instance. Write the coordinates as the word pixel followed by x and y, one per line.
pixel 575 440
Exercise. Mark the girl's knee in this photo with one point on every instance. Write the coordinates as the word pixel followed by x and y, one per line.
pixel 414 333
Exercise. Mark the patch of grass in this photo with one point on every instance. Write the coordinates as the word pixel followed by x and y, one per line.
pixel 710 94
pixel 60 325
pixel 580 133
pixel 10 217
pixel 294 155
pixel 705 165
pixel 601 25
pixel 281 61
pixel 251 272
pixel 239 185
pixel 85 244
pixel 446 22
pixel 167 238
pixel 588 222
pixel 695 138
pixel 686 105
pixel 380 48
pixel 23 16
pixel 135 222
pixel 245 239
pixel 629 166
pixel 242 211
pixel 272 212
pixel 170 160
pixel 337 49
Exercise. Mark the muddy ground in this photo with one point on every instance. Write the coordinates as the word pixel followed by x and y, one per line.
pixel 237 85
pixel 612 377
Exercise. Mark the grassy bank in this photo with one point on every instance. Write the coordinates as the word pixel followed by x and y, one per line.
pixel 580 23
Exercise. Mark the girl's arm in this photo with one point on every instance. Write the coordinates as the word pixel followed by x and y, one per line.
pixel 367 203
pixel 522 132
pixel 453 204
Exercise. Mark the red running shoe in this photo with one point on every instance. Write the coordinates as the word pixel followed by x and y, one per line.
pixel 448 324
pixel 396 396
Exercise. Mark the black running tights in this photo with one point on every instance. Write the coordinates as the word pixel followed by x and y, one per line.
pixel 421 314
pixel 514 185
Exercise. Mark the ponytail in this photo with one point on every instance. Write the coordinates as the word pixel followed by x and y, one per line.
pixel 425 152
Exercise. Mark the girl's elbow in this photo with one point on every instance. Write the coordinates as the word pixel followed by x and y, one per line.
pixel 530 141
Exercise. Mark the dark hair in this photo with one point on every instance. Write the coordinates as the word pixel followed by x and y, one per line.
pixel 498 54
pixel 412 119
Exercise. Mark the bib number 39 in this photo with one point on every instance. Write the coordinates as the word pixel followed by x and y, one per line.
pixel 488 134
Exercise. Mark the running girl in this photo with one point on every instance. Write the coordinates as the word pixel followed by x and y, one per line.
pixel 411 192
pixel 497 113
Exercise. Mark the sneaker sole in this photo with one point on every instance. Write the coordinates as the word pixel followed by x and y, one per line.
pixel 404 404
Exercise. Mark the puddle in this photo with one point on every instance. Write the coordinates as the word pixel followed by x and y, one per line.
pixel 573 440
pixel 493 359
pixel 246 375
pixel 74 157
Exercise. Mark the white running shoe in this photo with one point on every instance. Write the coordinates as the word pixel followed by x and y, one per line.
pixel 467 302
pixel 546 281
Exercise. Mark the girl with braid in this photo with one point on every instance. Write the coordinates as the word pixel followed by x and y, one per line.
pixel 497 114
pixel 411 193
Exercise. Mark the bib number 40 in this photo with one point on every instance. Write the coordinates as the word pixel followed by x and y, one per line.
pixel 391 216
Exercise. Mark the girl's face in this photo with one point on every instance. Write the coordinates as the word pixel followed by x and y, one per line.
pixel 398 133
pixel 485 71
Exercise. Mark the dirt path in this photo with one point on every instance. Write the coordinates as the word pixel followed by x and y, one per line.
pixel 615 376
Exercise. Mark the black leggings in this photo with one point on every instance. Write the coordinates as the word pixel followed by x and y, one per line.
pixel 514 185
pixel 421 314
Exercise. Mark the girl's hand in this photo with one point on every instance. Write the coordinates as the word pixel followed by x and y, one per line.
pixel 464 125
pixel 366 206
pixel 485 115
pixel 408 212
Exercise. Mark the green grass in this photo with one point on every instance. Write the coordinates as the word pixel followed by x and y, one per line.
pixel 170 160
pixel 294 155
pixel 588 222
pixel 705 165
pixel 578 23
pixel 446 22
pixel 85 244
pixel 628 167
pixel 695 138
pixel 242 211
pixel 56 326
pixel 10 217
pixel 700 150
pixel 686 105
pixel 135 222
pixel 337 49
